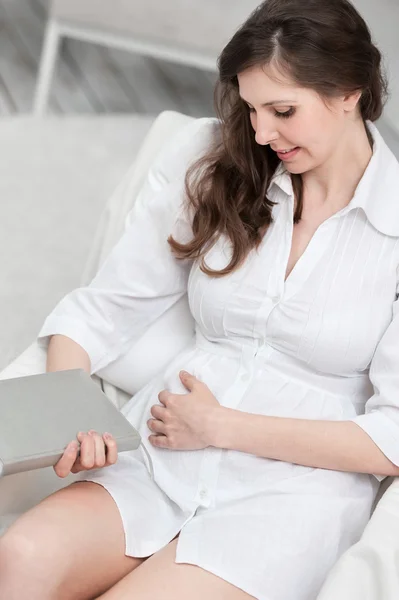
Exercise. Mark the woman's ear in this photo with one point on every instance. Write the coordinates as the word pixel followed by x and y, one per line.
pixel 350 101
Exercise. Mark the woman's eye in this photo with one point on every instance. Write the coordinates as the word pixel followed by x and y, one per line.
pixel 286 114
pixel 283 115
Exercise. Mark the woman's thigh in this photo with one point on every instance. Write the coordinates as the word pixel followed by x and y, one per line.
pixel 160 577
pixel 71 545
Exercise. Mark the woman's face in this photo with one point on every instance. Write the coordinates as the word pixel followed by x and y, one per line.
pixel 290 117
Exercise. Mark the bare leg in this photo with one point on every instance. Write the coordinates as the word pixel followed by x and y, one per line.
pixel 70 546
pixel 160 578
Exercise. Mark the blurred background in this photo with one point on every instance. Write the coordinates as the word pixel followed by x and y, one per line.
pixel 92 77
pixel 81 82
pixel 120 72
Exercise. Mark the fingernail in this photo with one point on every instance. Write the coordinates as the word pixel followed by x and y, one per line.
pixel 183 373
pixel 73 446
pixel 107 436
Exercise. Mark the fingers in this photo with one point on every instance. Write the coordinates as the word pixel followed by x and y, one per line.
pixel 112 449
pixel 95 452
pixel 87 450
pixel 159 412
pixel 99 450
pixel 164 396
pixel 157 426
pixel 160 441
pixel 67 460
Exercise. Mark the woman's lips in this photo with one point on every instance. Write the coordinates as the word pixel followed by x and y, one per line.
pixel 288 155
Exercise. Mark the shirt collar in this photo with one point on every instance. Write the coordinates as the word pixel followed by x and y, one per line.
pixel 378 190
pixel 282 179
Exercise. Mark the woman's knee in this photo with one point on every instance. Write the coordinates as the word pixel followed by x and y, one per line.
pixel 65 533
pixel 30 566
pixel 20 556
pixel 41 537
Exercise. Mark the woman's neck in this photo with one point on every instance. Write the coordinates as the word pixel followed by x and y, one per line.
pixel 334 183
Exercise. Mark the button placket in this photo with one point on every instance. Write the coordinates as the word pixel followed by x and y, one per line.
pixel 208 476
pixel 235 392
pixel 209 470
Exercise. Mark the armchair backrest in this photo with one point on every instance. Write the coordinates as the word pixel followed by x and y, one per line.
pixel 175 327
pixel 115 215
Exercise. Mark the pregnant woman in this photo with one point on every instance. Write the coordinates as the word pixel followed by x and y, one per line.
pixel 280 219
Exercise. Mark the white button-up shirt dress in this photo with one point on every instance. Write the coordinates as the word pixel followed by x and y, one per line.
pixel 324 344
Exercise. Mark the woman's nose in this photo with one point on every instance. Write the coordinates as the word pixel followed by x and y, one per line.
pixel 263 138
pixel 264 133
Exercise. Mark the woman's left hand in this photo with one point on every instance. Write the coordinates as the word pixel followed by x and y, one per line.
pixel 185 421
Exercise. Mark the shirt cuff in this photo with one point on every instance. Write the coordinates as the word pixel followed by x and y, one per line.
pixel 79 332
pixel 384 432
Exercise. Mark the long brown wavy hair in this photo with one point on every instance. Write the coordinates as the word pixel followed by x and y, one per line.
pixel 324 45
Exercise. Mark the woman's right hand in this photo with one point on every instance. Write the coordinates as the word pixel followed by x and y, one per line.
pixel 96 451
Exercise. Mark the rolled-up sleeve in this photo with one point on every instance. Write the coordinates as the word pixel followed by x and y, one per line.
pixel 381 418
pixel 141 278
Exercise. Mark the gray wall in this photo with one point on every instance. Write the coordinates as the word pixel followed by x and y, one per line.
pixel 382 17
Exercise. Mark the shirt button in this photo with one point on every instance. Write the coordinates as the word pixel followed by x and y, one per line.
pixel 203 493
pixel 275 299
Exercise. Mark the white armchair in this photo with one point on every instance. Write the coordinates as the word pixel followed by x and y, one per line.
pixel 21 491
pixel 367 571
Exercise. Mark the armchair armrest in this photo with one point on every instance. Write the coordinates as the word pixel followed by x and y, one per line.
pixel 368 570
pixel 32 361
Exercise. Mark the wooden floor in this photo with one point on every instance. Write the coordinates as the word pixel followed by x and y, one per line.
pixel 91 78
